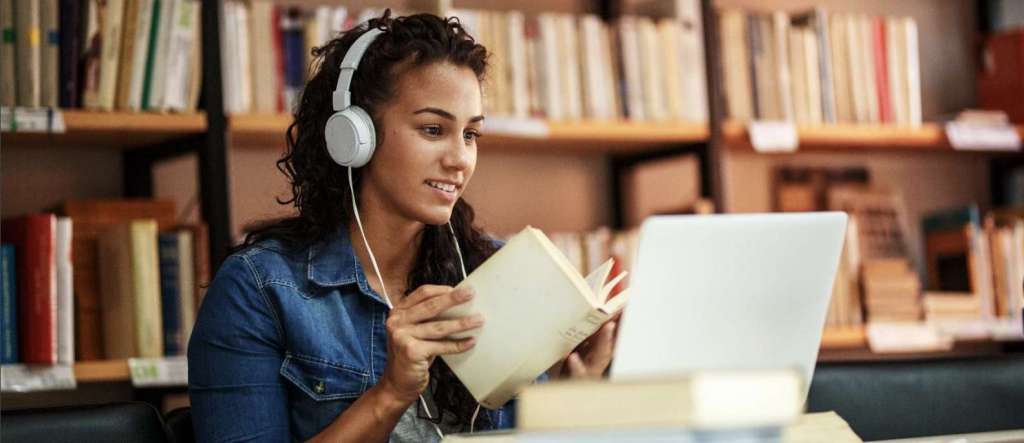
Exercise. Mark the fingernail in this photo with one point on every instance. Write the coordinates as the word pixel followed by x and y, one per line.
pixel 478 319
pixel 465 294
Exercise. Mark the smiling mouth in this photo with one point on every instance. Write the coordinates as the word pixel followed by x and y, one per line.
pixel 446 187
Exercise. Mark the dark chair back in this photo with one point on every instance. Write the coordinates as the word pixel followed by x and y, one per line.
pixel 888 400
pixel 133 422
pixel 179 426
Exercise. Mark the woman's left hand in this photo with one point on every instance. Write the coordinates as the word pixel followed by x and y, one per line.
pixel 590 359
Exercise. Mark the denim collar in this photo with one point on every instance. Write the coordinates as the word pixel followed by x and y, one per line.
pixel 332 262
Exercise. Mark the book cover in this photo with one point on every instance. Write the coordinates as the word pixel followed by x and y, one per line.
pixel 49 57
pixel 34 238
pixel 171 293
pixel 160 40
pixel 71 19
pixel 29 53
pixel 126 59
pixel 294 54
pixel 65 291
pixel 511 286
pixel 8 49
pixel 140 53
pixel 91 218
pixel 132 323
pixel 8 305
pixel 111 20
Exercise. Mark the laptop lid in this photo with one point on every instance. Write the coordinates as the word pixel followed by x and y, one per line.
pixel 729 292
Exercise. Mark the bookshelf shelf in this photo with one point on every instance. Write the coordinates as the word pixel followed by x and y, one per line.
pixel 117 130
pixel 255 130
pixel 843 338
pixel 846 137
pixel 102 371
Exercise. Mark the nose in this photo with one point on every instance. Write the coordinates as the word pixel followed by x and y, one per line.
pixel 458 156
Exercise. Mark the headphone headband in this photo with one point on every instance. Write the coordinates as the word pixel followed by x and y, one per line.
pixel 342 98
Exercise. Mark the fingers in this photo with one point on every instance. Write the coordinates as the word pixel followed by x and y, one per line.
pixel 600 353
pixel 431 307
pixel 424 292
pixel 576 367
pixel 447 347
pixel 441 329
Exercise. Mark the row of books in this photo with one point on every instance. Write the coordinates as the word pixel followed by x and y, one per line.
pixel 974 265
pixel 554 66
pixel 103 280
pixel 132 55
pixel 820 68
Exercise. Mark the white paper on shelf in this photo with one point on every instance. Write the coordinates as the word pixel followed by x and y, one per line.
pixel 966 136
pixel 165 371
pixel 32 378
pixel 57 125
pixel 6 118
pixel 521 127
pixel 31 120
pixel 773 136
pixel 906 337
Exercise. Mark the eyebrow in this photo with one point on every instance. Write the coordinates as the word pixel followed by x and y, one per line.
pixel 446 114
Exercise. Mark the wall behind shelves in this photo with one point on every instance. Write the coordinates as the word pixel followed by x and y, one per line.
pixel 41 178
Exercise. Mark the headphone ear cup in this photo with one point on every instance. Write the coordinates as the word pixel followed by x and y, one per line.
pixel 350 137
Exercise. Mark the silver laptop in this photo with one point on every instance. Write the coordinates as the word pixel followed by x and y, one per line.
pixel 729 292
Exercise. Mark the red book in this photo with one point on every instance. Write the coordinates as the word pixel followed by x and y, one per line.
pixel 881 70
pixel 1001 79
pixel 278 59
pixel 35 241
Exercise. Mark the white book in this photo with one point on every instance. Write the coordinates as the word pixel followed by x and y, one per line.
pixel 49 51
pixel 569 66
pixel 630 51
pixel 590 53
pixel 651 70
pixel 186 283
pixel 515 26
pixel 736 65
pixel 263 69
pixel 668 45
pixel 179 64
pixel 840 69
pixel 143 27
pixel 783 77
pixel 243 58
pixel 537 308
pixel 867 66
pixel 65 293
pixel 854 63
pixel 796 66
pixel 610 74
pixel 691 47
pixel 913 72
pixel 896 66
pixel 338 17
pixel 551 85
pixel 110 54
pixel 163 37
pixel 815 113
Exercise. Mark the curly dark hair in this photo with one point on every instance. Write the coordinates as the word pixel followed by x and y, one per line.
pixel 319 186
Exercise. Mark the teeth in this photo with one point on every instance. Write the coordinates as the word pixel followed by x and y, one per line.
pixel 442 186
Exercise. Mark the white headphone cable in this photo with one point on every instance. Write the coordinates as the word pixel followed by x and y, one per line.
pixel 387 299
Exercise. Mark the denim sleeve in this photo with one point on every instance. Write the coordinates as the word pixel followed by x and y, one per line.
pixel 234 359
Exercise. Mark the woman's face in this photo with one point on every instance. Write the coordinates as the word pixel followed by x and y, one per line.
pixel 428 151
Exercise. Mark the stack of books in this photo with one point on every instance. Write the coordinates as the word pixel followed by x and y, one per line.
pixel 892 292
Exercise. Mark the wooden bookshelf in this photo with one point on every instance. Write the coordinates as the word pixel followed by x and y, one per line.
pixel 929 137
pixel 267 131
pixel 115 130
pixel 102 371
pixel 843 338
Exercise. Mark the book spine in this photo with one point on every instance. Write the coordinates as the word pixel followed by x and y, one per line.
pixel 154 39
pixel 49 22
pixel 171 293
pixel 37 297
pixel 8 306
pixel 112 18
pixel 70 51
pixel 8 48
pixel 881 70
pixel 146 289
pixel 65 301
pixel 291 30
pixel 28 55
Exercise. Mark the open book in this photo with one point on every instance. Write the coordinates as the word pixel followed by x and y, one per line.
pixel 536 308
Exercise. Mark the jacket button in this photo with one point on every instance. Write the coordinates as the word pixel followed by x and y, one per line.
pixel 319 387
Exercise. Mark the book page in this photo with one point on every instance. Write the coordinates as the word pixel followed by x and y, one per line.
pixel 596 279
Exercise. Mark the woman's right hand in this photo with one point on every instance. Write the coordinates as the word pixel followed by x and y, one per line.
pixel 416 336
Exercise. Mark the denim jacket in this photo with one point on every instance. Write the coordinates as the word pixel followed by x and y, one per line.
pixel 285 341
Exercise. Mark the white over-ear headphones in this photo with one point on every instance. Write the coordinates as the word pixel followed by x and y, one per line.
pixel 349 132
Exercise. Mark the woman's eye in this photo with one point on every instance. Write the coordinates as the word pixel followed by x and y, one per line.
pixel 471 136
pixel 433 131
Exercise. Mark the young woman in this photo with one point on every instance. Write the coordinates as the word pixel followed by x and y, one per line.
pixel 313 331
